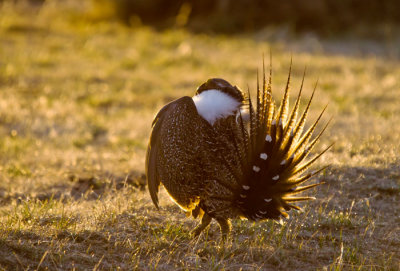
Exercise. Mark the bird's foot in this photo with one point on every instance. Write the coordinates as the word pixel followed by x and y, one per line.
pixel 226 227
pixel 205 221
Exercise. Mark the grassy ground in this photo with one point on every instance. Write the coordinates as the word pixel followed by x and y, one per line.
pixel 76 101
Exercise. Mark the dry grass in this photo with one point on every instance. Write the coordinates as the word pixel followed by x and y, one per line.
pixel 76 101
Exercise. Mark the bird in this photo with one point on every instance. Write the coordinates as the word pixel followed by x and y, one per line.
pixel 222 156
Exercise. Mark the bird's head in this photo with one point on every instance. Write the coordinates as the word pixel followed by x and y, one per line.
pixel 217 98
pixel 223 86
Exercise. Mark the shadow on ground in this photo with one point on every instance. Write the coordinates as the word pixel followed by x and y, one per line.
pixel 83 185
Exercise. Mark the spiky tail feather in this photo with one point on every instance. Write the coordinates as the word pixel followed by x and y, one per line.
pixel 272 154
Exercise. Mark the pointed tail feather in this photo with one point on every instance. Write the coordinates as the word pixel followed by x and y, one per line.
pixel 274 152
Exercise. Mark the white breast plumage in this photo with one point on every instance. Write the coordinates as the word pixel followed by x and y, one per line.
pixel 214 104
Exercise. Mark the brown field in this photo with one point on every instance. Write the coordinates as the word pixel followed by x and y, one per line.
pixel 77 97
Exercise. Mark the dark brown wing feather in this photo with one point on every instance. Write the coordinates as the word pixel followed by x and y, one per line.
pixel 173 153
pixel 153 178
pixel 153 181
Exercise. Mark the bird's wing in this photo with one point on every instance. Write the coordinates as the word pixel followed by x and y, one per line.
pixel 153 181
pixel 170 111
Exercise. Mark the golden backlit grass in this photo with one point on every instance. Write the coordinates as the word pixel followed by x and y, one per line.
pixel 77 97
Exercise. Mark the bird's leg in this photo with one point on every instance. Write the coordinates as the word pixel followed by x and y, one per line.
pixel 225 226
pixel 205 221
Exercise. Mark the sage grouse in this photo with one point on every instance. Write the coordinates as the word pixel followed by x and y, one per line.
pixel 216 163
